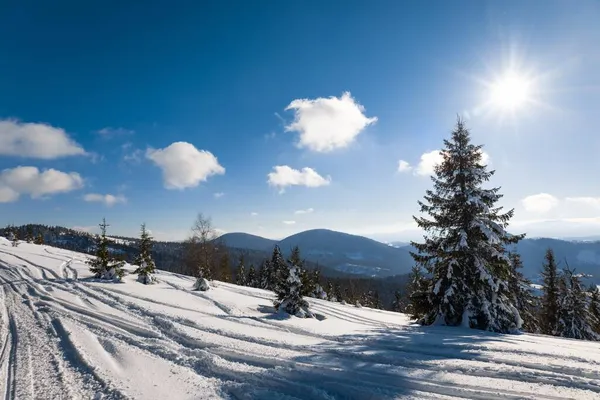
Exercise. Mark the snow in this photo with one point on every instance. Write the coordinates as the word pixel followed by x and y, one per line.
pixel 66 335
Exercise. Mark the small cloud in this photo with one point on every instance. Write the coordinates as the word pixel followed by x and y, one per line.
pixel 86 229
pixel 428 162
pixel 109 200
pixel 593 202
pixel 289 222
pixel 404 166
pixel 184 166
pixel 307 211
pixel 326 124
pixel 135 157
pixel 36 140
pixel 253 214
pixel 270 135
pixel 539 203
pixel 218 195
pixel 284 176
pixel 109 132
pixel 35 183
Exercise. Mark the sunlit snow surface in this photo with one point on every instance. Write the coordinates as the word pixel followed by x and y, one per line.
pixel 64 336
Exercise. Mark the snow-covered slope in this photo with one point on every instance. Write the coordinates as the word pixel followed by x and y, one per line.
pixel 63 335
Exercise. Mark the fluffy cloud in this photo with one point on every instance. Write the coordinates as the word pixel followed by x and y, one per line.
pixel 593 202
pixel 289 222
pixel 426 166
pixel 36 141
pixel 112 132
pixel 184 166
pixel 539 203
pixel 326 124
pixel 403 166
pixel 284 176
pixel 253 214
pixel 29 180
pixel 108 199
pixel 218 195
pixel 307 211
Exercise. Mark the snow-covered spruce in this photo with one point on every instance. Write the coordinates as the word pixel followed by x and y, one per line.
pixel 289 295
pixel 201 284
pixel 464 253
pixel 144 261
pixel 522 296
pixel 574 319
pixel 104 265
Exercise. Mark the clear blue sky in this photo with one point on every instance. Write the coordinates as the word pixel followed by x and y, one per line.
pixel 154 111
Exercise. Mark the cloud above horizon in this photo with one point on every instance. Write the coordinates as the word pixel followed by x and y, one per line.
pixel 36 140
pixel 428 161
pixel 35 183
pixel 289 222
pixel 284 176
pixel 110 132
pixel 327 124
pixel 307 211
pixel 183 165
pixel 108 200
pixel 540 203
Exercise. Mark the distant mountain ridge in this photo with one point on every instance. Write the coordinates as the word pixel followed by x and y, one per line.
pixel 362 256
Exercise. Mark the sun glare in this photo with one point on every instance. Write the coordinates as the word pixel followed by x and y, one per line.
pixel 510 91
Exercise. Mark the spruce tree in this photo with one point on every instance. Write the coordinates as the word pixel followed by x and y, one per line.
pixel 265 275
pixel 144 261
pixel 104 265
pixel 330 292
pixel 224 267
pixel 14 237
pixel 574 320
pixel 39 239
pixel 241 273
pixel 252 279
pixel 523 297
pixel 418 289
pixel 279 270
pixel 464 252
pixel 594 308
pixel 550 300
pixel 289 295
pixel 29 234
pixel 397 303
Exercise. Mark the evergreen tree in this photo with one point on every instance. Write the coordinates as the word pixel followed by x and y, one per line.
pixel 574 320
pixel 143 260
pixel 279 270
pixel 224 267
pixel 14 237
pixel 550 300
pixel 464 252
pixel 265 275
pixel 522 296
pixel 241 272
pixel 594 308
pixel 39 239
pixel 330 292
pixel 338 293
pixel 29 234
pixel 418 289
pixel 397 303
pixel 289 295
pixel 104 265
pixel 252 279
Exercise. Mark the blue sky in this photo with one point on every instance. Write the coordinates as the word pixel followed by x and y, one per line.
pixel 155 112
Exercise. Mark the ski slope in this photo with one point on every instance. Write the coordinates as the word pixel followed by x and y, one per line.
pixel 66 336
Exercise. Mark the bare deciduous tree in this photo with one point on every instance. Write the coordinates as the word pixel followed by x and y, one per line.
pixel 202 247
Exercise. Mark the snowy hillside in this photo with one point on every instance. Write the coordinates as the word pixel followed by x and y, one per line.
pixel 63 335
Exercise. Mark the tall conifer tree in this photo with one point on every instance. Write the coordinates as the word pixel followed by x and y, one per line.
pixel 144 261
pixel 550 299
pixel 464 252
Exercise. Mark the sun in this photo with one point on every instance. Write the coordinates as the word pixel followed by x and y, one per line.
pixel 510 91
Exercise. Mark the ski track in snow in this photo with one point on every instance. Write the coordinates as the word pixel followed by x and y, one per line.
pixel 64 335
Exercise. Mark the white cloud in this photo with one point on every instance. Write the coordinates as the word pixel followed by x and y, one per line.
pixel 326 124
pixel 218 195
pixel 426 166
pixel 593 202
pixel 108 199
pixel 307 211
pixel 29 180
pixel 289 222
pixel 36 140
pixel 183 165
pixel 87 229
pixel 109 132
pixel 284 176
pixel 404 166
pixel 253 214
pixel 539 203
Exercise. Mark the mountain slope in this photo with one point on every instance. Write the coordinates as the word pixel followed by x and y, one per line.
pixel 242 240
pixel 64 335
